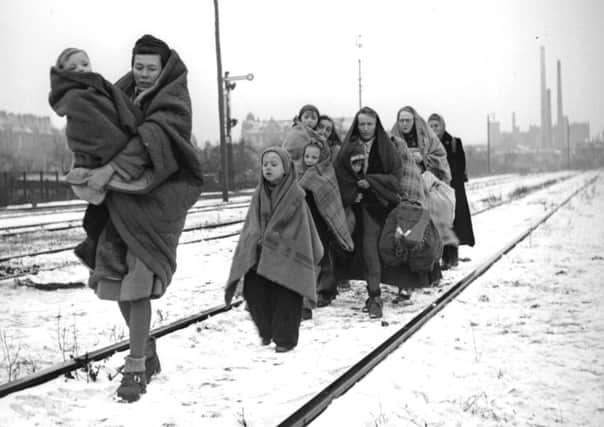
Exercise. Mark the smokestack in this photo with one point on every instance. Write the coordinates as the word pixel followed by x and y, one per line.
pixel 548 122
pixel 543 99
pixel 560 119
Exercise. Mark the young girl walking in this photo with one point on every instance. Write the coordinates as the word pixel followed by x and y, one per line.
pixel 278 253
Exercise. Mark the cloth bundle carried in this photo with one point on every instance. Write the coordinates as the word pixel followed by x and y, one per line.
pixel 410 237
pixel 440 199
pixel 101 121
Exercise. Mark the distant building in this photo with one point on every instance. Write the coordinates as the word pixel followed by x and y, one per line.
pixel 31 143
pixel 578 132
pixel 260 134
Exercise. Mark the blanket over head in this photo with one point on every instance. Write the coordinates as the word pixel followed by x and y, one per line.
pixel 280 242
pixel 298 137
pixel 150 223
pixel 100 117
pixel 387 184
pixel 433 152
pixel 321 181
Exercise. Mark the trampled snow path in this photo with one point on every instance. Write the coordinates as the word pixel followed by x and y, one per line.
pixel 217 371
pixel 523 345
pixel 82 323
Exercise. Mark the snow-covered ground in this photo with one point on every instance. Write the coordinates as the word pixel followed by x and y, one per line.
pixel 57 325
pixel 523 345
pixel 216 373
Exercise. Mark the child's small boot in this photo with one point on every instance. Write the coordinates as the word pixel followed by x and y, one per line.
pixel 152 365
pixel 134 380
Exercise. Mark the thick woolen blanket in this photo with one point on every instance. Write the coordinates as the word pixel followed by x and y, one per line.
pixel 100 117
pixel 412 185
pixel 385 185
pixel 433 152
pixel 280 242
pixel 321 181
pixel 150 223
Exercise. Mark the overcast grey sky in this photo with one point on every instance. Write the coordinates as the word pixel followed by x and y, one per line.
pixel 461 58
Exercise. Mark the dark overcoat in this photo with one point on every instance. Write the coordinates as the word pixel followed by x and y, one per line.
pixel 457 163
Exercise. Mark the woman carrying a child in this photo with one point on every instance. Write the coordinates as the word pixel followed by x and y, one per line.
pixel 369 172
pixel 135 233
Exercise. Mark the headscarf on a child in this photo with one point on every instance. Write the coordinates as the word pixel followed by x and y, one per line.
pixel 279 239
pixel 270 196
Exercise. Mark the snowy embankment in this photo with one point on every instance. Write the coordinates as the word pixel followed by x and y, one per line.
pixel 217 370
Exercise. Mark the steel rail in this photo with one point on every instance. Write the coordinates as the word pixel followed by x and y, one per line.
pixel 82 360
pixel 316 405
pixel 17 230
pixel 189 229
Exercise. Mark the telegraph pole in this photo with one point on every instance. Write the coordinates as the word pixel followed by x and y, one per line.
pixel 359 44
pixel 229 85
pixel 223 154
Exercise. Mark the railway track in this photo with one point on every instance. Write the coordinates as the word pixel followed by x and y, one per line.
pixel 525 191
pixel 186 229
pixel 313 408
pixel 80 206
pixel 62 225
pixel 318 403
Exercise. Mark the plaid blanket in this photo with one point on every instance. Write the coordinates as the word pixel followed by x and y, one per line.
pixel 412 184
pixel 321 181
pixel 433 152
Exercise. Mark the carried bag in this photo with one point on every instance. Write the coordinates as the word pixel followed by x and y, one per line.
pixel 440 199
pixel 410 237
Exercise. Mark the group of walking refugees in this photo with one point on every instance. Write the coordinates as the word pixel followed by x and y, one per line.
pixel 381 207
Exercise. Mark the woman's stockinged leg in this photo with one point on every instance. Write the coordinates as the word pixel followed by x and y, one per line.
pixel 140 323
pixel 125 310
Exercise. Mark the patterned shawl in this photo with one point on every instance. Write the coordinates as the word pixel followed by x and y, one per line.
pixel 433 152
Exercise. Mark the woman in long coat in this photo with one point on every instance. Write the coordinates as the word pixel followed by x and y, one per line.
pixel 457 162
pixel 429 155
pixel 371 197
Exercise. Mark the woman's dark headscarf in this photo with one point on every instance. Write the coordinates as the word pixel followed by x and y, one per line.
pixel 388 182
pixel 149 45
